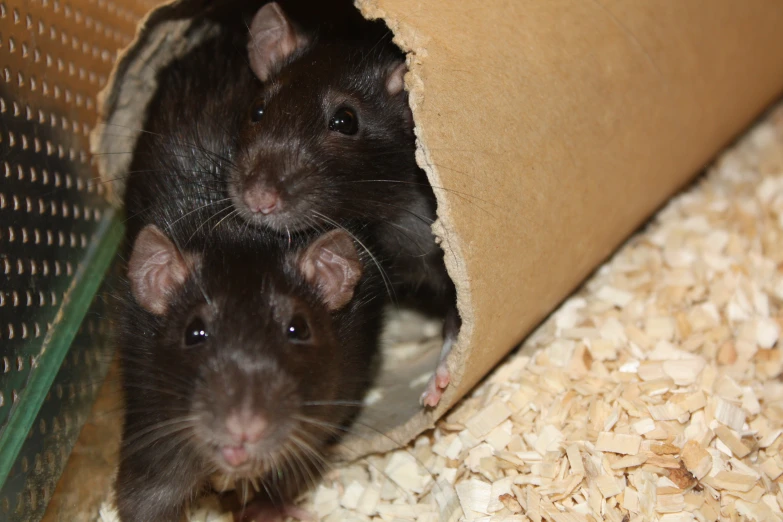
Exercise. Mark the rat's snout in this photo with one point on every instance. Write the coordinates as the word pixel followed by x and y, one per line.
pixel 245 404
pixel 245 399
pixel 260 198
pixel 242 427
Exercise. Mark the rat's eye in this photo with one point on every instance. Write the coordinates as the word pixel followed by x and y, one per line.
pixel 344 121
pixel 298 330
pixel 196 332
pixel 257 114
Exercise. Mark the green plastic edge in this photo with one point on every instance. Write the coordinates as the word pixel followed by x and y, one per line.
pixel 84 286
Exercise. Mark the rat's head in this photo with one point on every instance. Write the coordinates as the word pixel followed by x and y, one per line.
pixel 329 135
pixel 248 351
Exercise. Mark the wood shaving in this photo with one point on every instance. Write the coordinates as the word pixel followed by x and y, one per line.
pixel 652 394
pixel 618 443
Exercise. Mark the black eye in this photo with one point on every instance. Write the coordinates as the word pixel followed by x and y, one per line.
pixel 344 121
pixel 257 114
pixel 298 330
pixel 196 332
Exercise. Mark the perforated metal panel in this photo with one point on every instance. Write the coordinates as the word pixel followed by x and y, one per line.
pixel 57 234
pixel 66 407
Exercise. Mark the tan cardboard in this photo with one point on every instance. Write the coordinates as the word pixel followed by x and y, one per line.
pixel 551 129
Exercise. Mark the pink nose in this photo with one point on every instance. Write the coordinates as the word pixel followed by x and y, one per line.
pixel 260 199
pixel 245 426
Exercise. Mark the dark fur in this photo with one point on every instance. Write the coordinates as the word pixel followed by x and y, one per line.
pixel 246 292
pixel 177 177
pixel 180 166
pixel 368 182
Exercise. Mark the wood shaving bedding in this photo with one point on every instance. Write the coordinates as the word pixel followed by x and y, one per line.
pixel 650 395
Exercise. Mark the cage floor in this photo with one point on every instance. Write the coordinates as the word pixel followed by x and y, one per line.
pixel 651 394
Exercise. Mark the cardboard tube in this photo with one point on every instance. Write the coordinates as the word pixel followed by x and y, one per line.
pixel 551 129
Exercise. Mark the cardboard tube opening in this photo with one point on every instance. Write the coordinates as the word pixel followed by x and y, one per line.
pixel 412 341
pixel 550 130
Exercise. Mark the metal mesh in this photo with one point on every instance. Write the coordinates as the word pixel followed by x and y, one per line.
pixel 57 234
pixel 66 407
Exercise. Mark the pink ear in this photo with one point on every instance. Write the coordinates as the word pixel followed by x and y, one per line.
pixel 272 40
pixel 156 269
pixel 395 81
pixel 333 265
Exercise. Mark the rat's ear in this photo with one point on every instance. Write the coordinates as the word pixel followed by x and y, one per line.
pixel 272 40
pixel 395 79
pixel 156 269
pixel 332 264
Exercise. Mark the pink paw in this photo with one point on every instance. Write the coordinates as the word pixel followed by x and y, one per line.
pixel 437 383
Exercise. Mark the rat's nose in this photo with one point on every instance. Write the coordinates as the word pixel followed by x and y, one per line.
pixel 261 200
pixel 242 426
pixel 245 426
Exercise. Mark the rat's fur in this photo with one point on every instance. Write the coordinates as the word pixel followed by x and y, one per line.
pixel 368 182
pixel 178 396
pixel 244 280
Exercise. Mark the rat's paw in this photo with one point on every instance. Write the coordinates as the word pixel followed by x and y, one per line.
pixel 436 385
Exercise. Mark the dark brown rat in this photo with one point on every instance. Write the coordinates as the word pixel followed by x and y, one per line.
pixel 209 395
pixel 244 358
pixel 177 176
pixel 328 141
